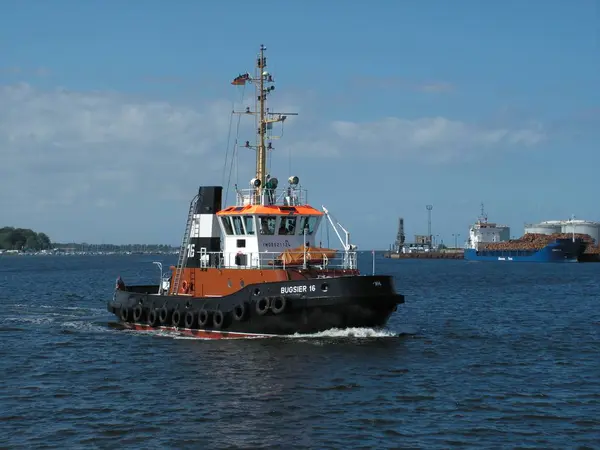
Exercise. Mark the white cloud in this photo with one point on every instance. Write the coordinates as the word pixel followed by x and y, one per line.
pixel 427 139
pixel 98 154
pixel 87 146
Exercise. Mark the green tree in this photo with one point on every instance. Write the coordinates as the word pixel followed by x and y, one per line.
pixel 23 239
pixel 44 241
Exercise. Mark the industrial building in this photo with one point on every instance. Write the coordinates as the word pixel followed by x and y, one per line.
pixel 566 226
pixel 422 242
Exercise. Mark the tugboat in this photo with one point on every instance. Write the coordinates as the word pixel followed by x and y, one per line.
pixel 253 269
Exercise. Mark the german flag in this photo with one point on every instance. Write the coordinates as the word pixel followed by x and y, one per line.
pixel 241 79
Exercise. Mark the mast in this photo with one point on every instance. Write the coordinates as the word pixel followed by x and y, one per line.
pixel 264 85
pixel 261 156
pixel 483 216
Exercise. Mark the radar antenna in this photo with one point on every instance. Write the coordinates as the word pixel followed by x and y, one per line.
pixel 483 216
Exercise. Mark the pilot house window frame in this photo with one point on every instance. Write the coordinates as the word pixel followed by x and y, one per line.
pixel 268 224
pixel 287 225
pixel 250 225
pixel 227 226
pixel 238 226
pixel 308 222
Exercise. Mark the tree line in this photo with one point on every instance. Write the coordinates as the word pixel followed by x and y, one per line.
pixel 24 239
pixel 12 238
pixel 133 248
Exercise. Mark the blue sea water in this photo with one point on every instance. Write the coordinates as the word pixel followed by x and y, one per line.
pixel 481 355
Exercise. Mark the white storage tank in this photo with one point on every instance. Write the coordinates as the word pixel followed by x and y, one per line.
pixel 583 227
pixel 547 227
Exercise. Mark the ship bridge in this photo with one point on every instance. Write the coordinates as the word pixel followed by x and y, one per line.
pixel 266 222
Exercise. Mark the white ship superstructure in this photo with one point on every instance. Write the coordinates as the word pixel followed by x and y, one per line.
pixel 484 232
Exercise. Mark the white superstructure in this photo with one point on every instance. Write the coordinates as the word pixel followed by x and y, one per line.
pixel 483 232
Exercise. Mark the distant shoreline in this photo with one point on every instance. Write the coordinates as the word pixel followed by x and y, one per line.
pixel 75 252
pixel 82 253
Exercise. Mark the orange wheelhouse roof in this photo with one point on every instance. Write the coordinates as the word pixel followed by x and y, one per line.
pixel 273 210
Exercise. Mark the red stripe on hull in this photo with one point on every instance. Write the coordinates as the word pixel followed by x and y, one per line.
pixel 200 334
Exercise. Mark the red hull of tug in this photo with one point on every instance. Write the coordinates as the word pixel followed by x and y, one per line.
pixel 199 334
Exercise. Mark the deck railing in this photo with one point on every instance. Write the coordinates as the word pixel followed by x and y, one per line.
pixel 291 196
pixel 276 260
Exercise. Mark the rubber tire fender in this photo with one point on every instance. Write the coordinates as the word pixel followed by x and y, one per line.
pixel 153 318
pixel 137 313
pixel 282 301
pixel 176 318
pixel 239 311
pixel 163 316
pixel 218 319
pixel 190 318
pixel 203 318
pixel 266 301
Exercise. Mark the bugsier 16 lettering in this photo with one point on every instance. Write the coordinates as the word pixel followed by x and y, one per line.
pixel 298 289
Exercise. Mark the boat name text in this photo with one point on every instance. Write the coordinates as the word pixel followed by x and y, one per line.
pixel 298 289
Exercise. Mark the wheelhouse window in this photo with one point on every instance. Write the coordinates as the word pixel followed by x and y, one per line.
pixel 309 224
pixel 227 225
pixel 249 222
pixel 237 225
pixel 287 225
pixel 267 224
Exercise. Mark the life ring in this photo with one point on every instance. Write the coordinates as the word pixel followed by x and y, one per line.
pixel 262 305
pixel 279 304
pixel 185 287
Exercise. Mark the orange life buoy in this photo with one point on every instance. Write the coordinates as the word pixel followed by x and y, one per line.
pixel 184 287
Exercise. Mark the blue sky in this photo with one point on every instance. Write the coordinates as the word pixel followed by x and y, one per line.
pixel 112 113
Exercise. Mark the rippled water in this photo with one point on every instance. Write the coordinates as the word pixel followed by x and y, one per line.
pixel 481 355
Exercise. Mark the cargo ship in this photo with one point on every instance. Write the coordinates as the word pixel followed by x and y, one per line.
pixel 253 268
pixel 490 242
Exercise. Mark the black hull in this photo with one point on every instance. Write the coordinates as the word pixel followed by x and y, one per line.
pixel 277 308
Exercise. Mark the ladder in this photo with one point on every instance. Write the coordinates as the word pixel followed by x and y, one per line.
pixel 184 251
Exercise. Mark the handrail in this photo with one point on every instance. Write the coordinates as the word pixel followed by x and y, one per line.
pixel 278 260
pixel 291 196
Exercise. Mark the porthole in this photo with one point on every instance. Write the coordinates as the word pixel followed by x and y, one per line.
pixel 242 284
pixel 257 291
pixel 228 282
pixel 324 287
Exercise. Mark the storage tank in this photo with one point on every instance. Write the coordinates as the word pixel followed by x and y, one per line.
pixel 547 227
pixel 583 227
